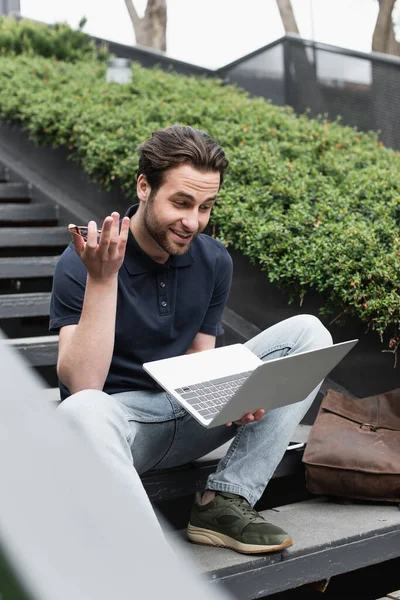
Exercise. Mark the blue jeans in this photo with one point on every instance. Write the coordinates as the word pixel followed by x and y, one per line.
pixel 138 431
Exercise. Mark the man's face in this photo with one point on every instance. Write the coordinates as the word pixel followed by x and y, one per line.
pixel 181 208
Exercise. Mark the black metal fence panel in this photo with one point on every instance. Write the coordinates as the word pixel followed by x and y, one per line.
pixel 262 74
pixel 10 7
pixel 149 58
pixel 325 80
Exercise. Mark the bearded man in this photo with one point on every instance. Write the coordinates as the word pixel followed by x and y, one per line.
pixel 151 286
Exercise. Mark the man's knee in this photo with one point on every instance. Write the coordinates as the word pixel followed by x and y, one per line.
pixel 88 405
pixel 318 334
pixel 96 414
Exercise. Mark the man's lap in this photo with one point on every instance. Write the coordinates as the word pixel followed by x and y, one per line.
pixel 164 435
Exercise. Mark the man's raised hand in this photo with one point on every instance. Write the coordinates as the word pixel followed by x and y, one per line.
pixel 103 258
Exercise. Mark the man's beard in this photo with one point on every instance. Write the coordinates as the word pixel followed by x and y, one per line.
pixel 159 232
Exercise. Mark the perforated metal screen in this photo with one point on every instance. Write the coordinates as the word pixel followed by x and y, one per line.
pixel 362 89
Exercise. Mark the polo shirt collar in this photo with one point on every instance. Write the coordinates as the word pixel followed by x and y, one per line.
pixel 137 261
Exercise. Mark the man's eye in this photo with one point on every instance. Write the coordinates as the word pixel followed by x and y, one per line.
pixel 180 203
pixel 205 208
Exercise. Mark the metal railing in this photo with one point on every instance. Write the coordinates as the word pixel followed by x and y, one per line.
pixel 362 88
pixel 10 7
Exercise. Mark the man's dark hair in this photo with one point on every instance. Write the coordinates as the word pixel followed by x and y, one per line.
pixel 179 145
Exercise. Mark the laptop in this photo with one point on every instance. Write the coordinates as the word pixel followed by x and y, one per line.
pixel 221 385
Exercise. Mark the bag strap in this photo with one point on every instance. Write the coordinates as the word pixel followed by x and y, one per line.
pixel 376 412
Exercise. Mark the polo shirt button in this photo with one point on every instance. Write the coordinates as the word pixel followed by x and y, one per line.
pixel 162 284
pixel 164 304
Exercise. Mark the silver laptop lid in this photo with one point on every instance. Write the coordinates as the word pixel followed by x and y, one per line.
pixel 284 381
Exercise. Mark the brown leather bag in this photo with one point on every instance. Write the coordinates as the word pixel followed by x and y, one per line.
pixel 353 450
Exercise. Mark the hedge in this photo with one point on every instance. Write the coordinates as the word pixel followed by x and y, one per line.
pixel 56 41
pixel 315 203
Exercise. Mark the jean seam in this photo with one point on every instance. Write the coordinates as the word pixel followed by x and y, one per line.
pixel 177 413
pixel 130 439
pixel 142 418
pixel 274 349
pixel 169 447
pixel 138 419
pixel 125 412
pixel 225 461
pixel 231 487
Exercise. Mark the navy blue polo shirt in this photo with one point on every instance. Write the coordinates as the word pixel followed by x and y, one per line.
pixel 160 307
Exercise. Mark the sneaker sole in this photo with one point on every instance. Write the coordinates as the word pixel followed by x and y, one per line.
pixel 207 537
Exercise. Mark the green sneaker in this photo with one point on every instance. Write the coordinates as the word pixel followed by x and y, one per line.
pixel 229 521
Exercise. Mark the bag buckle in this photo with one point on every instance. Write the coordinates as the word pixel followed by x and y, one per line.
pixel 371 427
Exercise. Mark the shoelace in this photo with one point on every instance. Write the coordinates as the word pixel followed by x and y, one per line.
pixel 245 507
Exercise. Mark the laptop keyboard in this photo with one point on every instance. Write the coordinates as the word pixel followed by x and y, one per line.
pixel 209 397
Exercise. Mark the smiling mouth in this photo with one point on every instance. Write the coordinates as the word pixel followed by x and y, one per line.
pixel 182 236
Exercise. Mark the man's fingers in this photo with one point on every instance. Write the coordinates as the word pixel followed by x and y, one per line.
pixel 92 236
pixel 78 242
pixel 115 227
pixel 114 236
pixel 105 236
pixel 249 418
pixel 123 236
pixel 106 230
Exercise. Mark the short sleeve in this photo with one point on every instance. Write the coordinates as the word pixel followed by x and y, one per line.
pixel 212 322
pixel 69 283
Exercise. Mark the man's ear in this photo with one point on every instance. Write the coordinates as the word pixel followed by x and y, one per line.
pixel 142 188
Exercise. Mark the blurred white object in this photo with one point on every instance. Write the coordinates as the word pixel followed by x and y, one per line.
pixel 119 70
pixel 68 527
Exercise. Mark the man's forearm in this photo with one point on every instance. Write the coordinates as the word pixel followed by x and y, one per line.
pixel 86 359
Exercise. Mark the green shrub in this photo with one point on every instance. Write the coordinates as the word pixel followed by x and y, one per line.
pixel 57 41
pixel 315 203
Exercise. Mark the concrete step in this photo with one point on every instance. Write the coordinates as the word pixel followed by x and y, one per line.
pixel 14 237
pixel 14 191
pixel 38 351
pixel 46 346
pixel 329 539
pixel 24 305
pixel 28 213
pixel 27 267
pixel 4 174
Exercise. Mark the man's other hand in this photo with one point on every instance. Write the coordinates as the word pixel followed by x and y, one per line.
pixel 249 418
pixel 104 257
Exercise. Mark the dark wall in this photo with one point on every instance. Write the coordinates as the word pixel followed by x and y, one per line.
pixel 54 166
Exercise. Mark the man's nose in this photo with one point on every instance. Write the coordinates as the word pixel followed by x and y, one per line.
pixel 191 222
